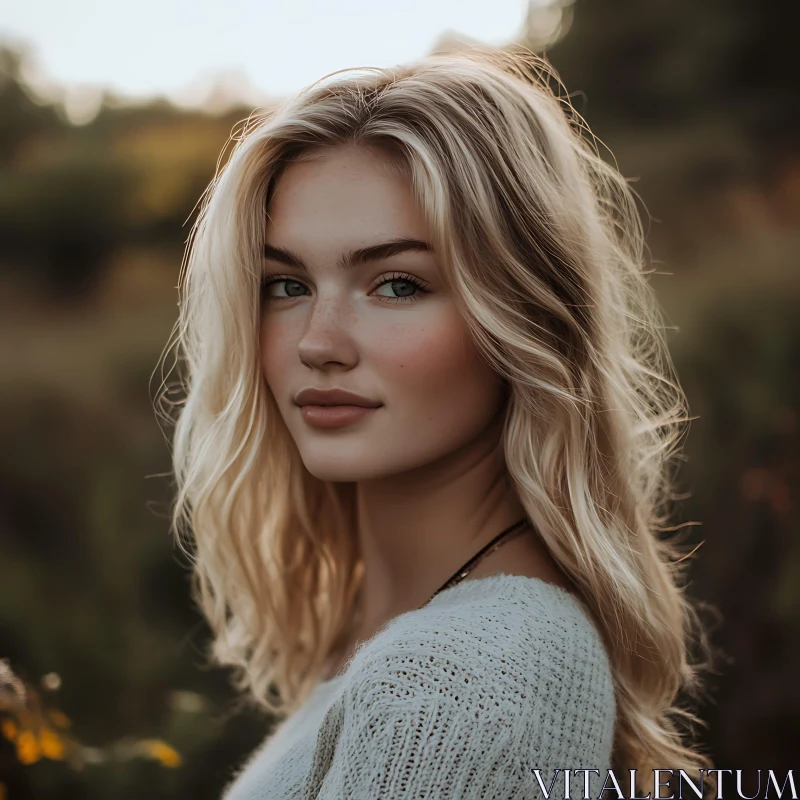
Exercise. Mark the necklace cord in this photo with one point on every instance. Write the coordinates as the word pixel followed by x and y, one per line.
pixel 467 567
pixel 461 573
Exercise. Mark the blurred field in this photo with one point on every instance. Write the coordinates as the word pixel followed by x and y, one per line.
pixel 92 225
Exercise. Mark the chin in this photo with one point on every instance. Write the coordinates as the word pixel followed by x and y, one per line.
pixel 338 471
pixel 358 464
pixel 334 461
pixel 354 461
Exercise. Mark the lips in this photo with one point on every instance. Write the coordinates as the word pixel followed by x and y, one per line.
pixel 338 416
pixel 333 397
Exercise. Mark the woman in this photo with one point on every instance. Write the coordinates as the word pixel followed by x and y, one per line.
pixel 420 344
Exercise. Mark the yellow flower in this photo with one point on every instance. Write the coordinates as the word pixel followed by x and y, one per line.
pixel 28 747
pixel 60 718
pixel 10 730
pixel 52 744
pixel 157 749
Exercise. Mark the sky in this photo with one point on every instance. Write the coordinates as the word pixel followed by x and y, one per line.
pixel 266 48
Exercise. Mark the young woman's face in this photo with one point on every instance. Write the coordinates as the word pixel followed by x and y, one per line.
pixel 384 328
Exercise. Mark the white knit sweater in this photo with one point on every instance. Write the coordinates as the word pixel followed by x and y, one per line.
pixel 463 698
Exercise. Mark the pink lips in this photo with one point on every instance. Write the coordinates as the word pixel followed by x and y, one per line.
pixel 333 408
pixel 334 416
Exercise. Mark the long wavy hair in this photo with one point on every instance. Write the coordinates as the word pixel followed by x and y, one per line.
pixel 541 244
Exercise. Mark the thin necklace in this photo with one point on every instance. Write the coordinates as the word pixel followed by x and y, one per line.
pixel 466 568
pixel 506 535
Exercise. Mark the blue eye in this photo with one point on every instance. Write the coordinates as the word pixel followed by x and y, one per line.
pixel 409 282
pixel 291 285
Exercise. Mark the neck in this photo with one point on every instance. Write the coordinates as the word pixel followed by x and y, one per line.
pixel 418 527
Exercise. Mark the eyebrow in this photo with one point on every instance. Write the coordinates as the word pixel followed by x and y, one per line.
pixel 355 258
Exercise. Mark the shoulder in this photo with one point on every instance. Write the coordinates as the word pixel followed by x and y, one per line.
pixel 506 641
pixel 468 696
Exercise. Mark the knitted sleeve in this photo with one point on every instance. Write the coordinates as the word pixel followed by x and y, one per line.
pixel 469 707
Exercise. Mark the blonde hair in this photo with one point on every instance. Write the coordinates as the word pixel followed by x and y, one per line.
pixel 540 241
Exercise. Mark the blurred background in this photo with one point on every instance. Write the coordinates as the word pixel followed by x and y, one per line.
pixel 112 118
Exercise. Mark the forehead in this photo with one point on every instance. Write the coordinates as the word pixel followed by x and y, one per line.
pixel 344 188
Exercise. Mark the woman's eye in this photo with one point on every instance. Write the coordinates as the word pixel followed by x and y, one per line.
pixel 291 288
pixel 403 289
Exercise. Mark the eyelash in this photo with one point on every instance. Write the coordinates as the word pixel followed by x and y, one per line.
pixel 396 276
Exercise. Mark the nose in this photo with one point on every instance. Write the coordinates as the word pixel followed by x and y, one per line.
pixel 327 336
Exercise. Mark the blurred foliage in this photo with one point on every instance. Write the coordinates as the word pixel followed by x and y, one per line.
pixel 692 98
pixel 38 731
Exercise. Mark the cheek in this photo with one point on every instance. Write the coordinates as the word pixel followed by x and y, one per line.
pixel 275 352
pixel 438 375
